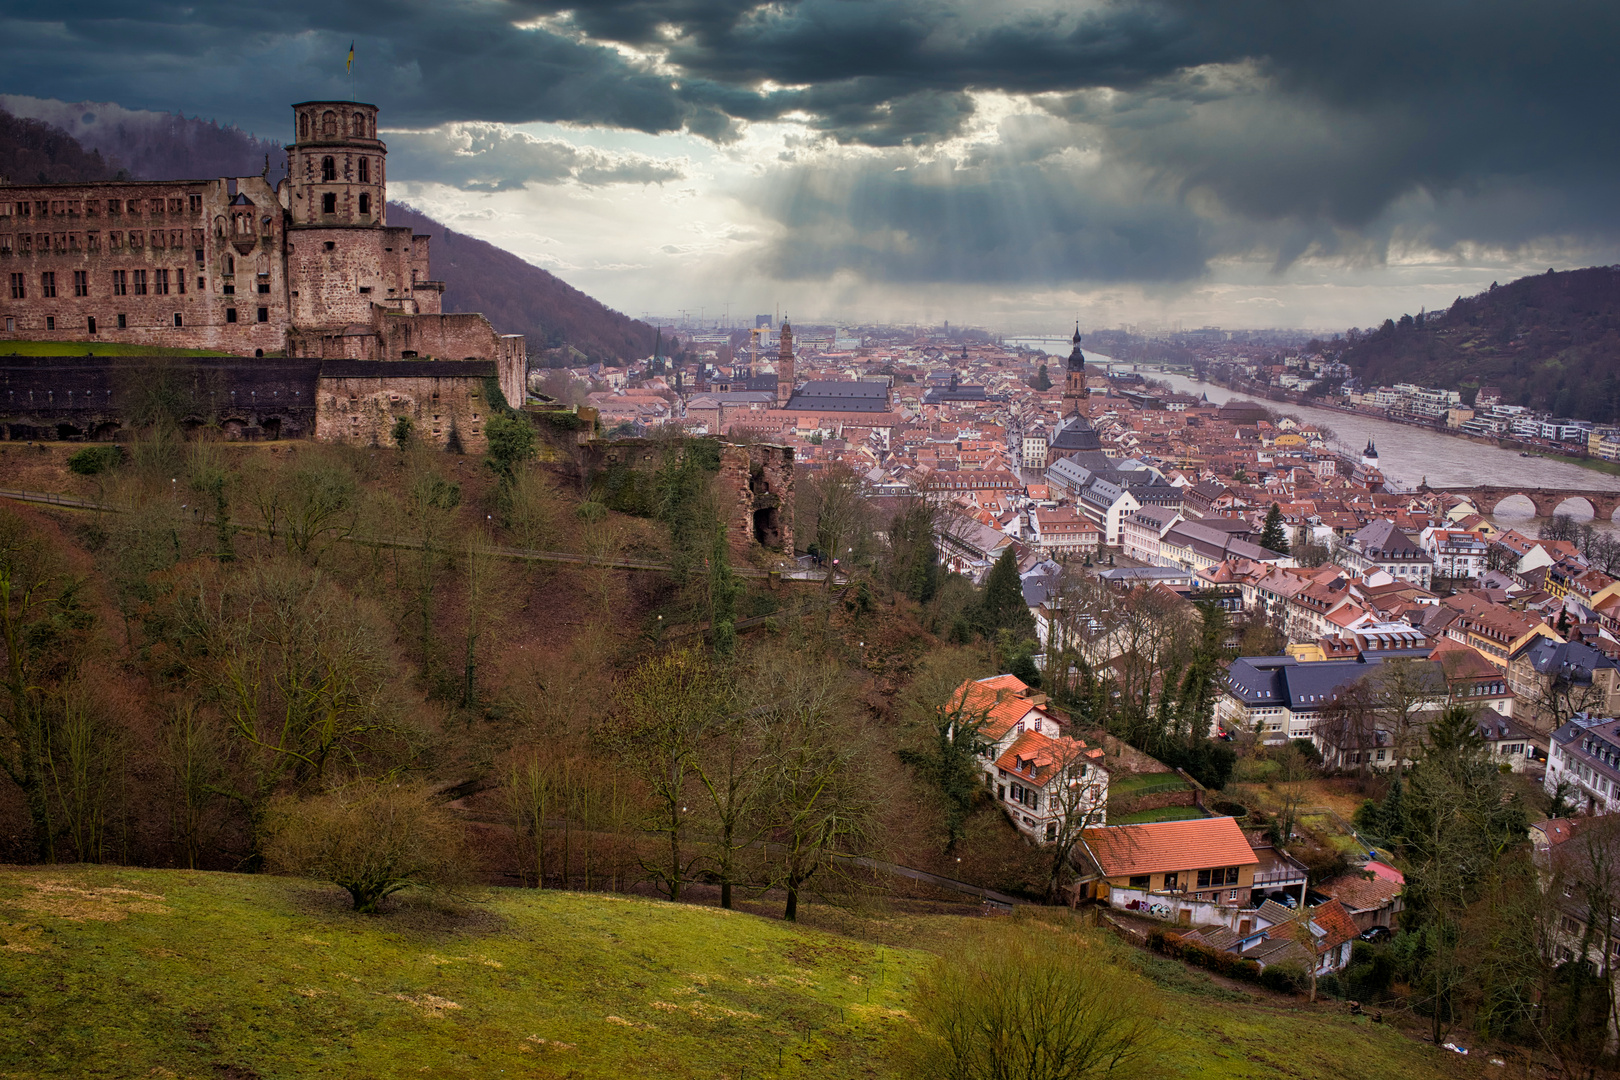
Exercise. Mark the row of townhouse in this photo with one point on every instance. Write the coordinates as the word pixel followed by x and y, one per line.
pixel 1279 698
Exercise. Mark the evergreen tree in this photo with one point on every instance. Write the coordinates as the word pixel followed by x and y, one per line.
pixel 1272 537
pixel 1002 606
pixel 1043 381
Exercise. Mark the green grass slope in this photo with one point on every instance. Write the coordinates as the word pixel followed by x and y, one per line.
pixel 110 972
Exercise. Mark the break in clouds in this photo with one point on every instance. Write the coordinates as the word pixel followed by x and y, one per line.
pixel 922 141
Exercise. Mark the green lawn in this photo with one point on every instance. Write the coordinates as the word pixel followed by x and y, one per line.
pixel 1146 784
pixel 98 348
pixel 1163 813
pixel 108 972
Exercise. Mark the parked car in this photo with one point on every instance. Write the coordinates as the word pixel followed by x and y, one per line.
pixel 1285 899
pixel 1377 935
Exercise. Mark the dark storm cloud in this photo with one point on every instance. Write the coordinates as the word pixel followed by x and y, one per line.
pixel 1297 124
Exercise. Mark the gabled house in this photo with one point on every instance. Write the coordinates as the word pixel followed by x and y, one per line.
pixel 1192 872
pixel 1040 777
pixel 1369 899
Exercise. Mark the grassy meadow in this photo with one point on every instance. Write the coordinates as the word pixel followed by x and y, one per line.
pixel 111 972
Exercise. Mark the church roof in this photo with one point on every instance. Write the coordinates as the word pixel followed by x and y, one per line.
pixel 1076 435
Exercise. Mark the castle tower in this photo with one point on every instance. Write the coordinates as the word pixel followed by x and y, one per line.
pixel 351 270
pixel 336 166
pixel 784 367
pixel 1369 456
pixel 1074 380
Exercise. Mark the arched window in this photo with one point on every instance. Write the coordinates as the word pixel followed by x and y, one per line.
pixel 329 203
pixel 303 125
pixel 365 204
pixel 329 124
pixel 365 170
pixel 230 264
pixel 328 169
pixel 360 124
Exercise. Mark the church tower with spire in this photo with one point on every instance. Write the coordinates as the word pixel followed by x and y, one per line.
pixel 784 367
pixel 1074 380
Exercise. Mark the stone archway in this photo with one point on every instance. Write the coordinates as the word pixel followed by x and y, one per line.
pixel 1577 507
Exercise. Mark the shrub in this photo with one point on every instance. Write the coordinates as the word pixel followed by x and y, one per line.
pixel 403 427
pixel 1032 1002
pixel 511 441
pixel 1286 977
pixel 372 840
pixel 93 460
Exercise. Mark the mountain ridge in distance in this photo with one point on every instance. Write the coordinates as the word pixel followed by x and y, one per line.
pixel 1549 341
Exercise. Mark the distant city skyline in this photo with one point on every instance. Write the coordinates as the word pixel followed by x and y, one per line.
pixel 1014 166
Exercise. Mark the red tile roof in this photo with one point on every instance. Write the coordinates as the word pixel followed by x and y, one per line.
pixel 1037 758
pixel 1156 846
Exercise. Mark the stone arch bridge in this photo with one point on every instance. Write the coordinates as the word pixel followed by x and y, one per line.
pixel 1547 501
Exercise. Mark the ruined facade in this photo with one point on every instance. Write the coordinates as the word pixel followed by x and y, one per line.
pixel 307 269
pixel 755 487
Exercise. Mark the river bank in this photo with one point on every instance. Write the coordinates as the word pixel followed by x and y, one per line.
pixel 1269 394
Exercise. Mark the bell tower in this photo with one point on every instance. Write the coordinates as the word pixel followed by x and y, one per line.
pixel 1074 379
pixel 337 166
pixel 784 367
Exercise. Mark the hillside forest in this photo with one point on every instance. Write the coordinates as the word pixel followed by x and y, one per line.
pixel 1548 342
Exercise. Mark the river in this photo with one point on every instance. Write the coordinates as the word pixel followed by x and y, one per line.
pixel 1409 455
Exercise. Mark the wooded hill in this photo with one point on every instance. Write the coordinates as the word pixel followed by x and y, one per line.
pixel 564 326
pixel 1549 342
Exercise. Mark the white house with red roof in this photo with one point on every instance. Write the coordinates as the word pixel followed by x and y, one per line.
pixel 1043 779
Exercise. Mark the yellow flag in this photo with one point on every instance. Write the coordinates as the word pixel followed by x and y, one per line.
pixel 349 66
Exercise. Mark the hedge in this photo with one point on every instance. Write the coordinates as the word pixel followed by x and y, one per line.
pixel 1216 960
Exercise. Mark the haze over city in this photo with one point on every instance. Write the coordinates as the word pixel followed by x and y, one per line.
pixel 1016 165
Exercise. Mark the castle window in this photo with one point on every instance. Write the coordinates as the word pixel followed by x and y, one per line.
pixel 365 170
pixel 199 255
pixel 136 239
pixel 132 205
pixel 11 324
pixel 19 291
pixel 120 282
pixel 196 204
pixel 230 265
pixel 329 125
pixel 50 322
pixel 177 320
pixel 329 203
pixel 359 127
pixel 328 168
pixel 264 286
pixel 330 245
pixel 264 314
pixel 140 282
pixel 365 204
pixel 113 207
pixel 47 285
pixel 230 314
pixel 229 290
pixel 5 243
pixel 123 322
pixel 90 324
pixel 81 283
pixel 303 126
pixel 160 283
pixel 180 281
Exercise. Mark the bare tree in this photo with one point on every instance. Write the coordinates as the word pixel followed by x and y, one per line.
pixel 821 796
pixel 663 710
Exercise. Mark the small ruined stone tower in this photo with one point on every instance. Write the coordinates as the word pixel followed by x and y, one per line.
pixel 1074 380
pixel 784 367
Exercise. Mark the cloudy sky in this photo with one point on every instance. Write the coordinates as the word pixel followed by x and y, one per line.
pixel 1013 164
